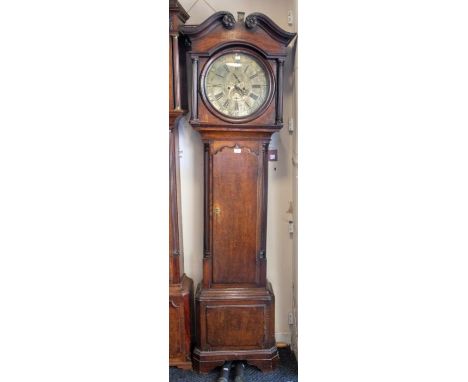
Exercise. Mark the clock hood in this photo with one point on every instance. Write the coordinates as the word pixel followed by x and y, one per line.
pixel 257 29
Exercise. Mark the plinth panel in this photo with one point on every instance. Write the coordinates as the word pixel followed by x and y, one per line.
pixel 176 326
pixel 180 325
pixel 235 326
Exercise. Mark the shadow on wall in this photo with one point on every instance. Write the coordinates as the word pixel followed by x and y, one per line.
pixel 191 180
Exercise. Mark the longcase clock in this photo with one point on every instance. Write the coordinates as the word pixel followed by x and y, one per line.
pixel 180 286
pixel 236 71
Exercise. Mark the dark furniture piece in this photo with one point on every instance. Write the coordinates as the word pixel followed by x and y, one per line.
pixel 236 71
pixel 180 286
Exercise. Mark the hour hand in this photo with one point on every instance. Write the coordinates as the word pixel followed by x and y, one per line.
pixel 237 78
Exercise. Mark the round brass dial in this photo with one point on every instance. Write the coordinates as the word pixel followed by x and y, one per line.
pixel 236 84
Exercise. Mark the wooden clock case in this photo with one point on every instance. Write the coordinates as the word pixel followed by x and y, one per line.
pixel 235 302
pixel 180 286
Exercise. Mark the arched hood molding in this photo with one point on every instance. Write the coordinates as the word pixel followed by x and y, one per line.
pixel 227 20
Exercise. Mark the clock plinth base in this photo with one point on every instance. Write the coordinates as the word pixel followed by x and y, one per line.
pixel 235 324
pixel 180 326
pixel 205 361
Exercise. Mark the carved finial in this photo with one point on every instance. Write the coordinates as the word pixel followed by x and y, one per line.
pixel 251 21
pixel 229 21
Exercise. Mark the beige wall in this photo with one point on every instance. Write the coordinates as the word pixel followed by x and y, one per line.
pixel 281 178
pixel 294 328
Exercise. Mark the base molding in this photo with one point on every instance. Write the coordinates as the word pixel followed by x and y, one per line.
pixel 264 359
pixel 180 323
pixel 185 365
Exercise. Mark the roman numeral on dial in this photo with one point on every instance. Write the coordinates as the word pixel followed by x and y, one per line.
pixel 253 96
pixel 219 96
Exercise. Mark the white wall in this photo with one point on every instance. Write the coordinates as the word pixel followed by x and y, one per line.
pixel 280 183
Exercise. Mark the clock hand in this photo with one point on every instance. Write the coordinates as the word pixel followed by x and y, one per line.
pixel 243 91
pixel 237 78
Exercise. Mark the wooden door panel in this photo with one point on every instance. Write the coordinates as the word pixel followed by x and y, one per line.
pixel 235 215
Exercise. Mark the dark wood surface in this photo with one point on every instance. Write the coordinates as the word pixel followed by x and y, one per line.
pixel 235 215
pixel 235 324
pixel 180 323
pixel 235 304
pixel 180 286
pixel 176 255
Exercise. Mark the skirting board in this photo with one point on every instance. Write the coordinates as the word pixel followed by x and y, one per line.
pixel 283 337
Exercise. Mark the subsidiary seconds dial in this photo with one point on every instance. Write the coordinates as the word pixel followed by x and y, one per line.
pixel 237 85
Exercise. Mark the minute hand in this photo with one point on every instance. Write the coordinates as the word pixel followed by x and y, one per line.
pixel 238 88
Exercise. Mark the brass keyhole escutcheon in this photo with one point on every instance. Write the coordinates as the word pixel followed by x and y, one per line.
pixel 217 210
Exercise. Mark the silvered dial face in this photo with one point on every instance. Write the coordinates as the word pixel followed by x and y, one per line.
pixel 236 85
